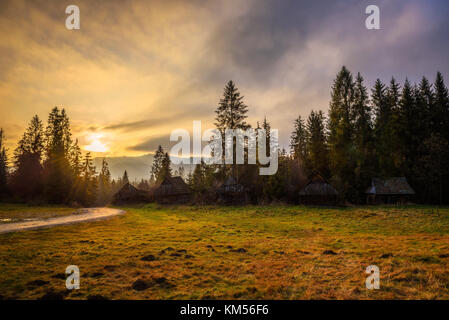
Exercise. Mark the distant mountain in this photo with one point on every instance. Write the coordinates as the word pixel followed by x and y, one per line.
pixel 137 167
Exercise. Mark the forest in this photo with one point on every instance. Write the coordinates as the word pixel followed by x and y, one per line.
pixel 389 130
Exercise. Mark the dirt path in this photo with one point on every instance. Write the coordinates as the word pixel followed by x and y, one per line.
pixel 89 214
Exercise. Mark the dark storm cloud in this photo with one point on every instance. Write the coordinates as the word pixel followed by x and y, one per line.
pixel 252 46
pixel 151 144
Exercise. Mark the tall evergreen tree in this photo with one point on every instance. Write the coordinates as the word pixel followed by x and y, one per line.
pixel 88 182
pixel 231 113
pixel 104 183
pixel 363 136
pixel 27 179
pixel 125 178
pixel 166 170
pixel 382 126
pixel 407 131
pixel 157 164
pixel 3 165
pixel 440 118
pixel 318 153
pixel 298 141
pixel 58 176
pixel 340 124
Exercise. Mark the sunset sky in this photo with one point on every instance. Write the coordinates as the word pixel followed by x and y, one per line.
pixel 136 70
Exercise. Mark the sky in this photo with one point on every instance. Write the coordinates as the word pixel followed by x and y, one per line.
pixel 136 70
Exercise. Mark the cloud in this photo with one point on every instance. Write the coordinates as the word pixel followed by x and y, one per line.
pixel 140 69
pixel 150 145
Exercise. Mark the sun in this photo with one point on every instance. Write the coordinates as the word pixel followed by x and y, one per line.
pixel 95 144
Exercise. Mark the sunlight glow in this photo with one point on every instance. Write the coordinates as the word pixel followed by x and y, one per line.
pixel 95 144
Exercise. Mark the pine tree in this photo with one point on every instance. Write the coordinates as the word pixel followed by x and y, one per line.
pixel 27 179
pixel 391 136
pixel 231 111
pixel 152 180
pixel 143 185
pixel 382 127
pixel 88 181
pixel 407 131
pixel 125 179
pixel 3 165
pixel 75 159
pixel 298 141
pixel 363 136
pixel 58 176
pixel 230 114
pixel 318 153
pixel 165 168
pixel 104 183
pixel 434 166
pixel 157 164
pixel 440 114
pixel 440 128
pixel 340 125
pixel 181 171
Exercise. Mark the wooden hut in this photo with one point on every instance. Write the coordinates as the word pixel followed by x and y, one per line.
pixel 318 192
pixel 173 190
pixel 130 194
pixel 394 190
pixel 231 192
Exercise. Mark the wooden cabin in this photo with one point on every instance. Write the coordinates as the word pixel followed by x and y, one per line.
pixel 318 192
pixel 394 190
pixel 173 190
pixel 231 192
pixel 130 194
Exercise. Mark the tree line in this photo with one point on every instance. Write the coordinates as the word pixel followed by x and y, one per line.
pixel 48 167
pixel 390 130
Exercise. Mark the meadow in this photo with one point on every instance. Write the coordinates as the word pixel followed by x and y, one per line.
pixel 251 252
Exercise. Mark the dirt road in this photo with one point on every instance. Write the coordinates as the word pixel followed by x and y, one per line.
pixel 88 214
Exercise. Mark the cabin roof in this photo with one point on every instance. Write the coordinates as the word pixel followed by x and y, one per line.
pixel 318 186
pixel 178 186
pixel 390 186
pixel 128 187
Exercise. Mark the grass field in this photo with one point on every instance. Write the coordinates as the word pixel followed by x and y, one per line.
pixel 271 252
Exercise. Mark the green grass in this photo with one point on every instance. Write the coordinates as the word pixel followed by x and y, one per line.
pixel 282 256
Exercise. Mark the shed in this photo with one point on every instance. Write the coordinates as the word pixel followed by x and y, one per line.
pixel 128 194
pixel 389 191
pixel 231 192
pixel 173 190
pixel 318 192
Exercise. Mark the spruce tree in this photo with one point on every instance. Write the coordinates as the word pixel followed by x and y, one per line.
pixel 231 110
pixel 298 141
pixel 27 179
pixel 318 153
pixel 165 169
pixel 340 125
pixel 440 118
pixel 3 165
pixel 88 182
pixel 231 113
pixel 125 178
pixel 157 164
pixel 104 183
pixel 363 135
pixel 58 176
pixel 382 126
